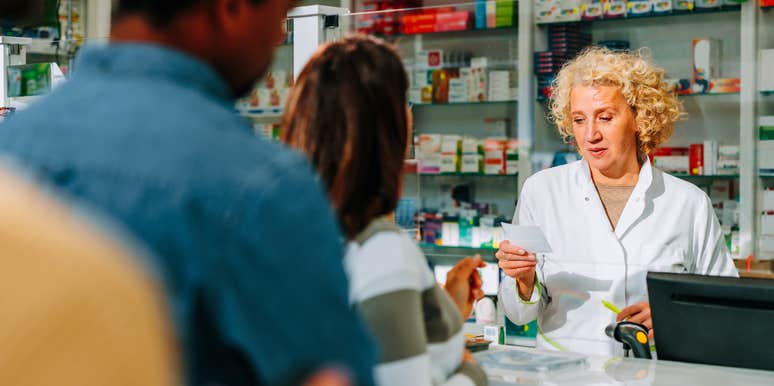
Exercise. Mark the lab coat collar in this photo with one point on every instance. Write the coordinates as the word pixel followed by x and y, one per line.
pixel 636 204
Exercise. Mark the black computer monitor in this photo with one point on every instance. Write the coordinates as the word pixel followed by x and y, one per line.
pixel 713 320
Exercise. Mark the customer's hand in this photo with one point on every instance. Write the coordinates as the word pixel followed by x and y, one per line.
pixel 463 284
pixel 467 356
pixel 638 313
pixel 329 377
pixel 520 265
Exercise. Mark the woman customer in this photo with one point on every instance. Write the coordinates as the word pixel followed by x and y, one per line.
pixel 610 217
pixel 348 113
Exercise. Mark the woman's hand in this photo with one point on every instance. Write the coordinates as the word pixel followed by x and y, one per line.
pixel 463 284
pixel 520 265
pixel 638 313
pixel 467 356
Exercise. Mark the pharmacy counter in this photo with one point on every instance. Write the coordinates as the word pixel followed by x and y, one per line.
pixel 607 371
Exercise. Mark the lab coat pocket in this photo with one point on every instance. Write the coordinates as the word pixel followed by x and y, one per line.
pixel 664 259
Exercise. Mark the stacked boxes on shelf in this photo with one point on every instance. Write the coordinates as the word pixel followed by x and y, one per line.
pixel 699 159
pixel 435 20
pixel 705 71
pixel 467 227
pixel 383 17
pixel 408 17
pixel 563 11
pixel 495 14
pixel 671 159
pixel 429 153
pixel 564 42
pixel 454 77
pixel 438 154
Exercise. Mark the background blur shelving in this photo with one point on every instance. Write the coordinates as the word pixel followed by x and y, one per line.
pixel 441 254
pixel 466 175
pixel 470 104
pixel 658 16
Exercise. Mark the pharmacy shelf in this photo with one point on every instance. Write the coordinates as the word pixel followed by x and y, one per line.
pixel 451 34
pixel 702 95
pixel 707 177
pixel 466 175
pixel 438 253
pixel 44 47
pixel 724 9
pixel 271 114
pixel 484 103
pixel 707 94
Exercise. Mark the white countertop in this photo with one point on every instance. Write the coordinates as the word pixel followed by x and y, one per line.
pixel 630 371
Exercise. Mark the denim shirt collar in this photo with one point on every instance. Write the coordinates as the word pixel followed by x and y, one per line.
pixel 152 60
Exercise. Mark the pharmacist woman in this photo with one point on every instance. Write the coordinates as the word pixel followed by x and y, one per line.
pixel 611 217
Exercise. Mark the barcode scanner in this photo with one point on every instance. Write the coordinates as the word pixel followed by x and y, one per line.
pixel 634 337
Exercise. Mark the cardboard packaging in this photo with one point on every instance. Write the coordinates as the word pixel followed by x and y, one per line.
pixel 766 64
pixel 706 64
pixel 710 158
pixel 696 160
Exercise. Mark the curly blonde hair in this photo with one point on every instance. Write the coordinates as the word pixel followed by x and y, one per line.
pixel 642 84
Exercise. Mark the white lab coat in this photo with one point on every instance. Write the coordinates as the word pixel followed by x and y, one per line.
pixel 668 225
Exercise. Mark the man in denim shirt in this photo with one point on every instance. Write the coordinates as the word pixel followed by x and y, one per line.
pixel 244 238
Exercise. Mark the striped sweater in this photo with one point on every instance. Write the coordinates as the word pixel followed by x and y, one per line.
pixel 418 326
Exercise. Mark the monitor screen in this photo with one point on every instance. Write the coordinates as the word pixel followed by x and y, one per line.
pixel 713 320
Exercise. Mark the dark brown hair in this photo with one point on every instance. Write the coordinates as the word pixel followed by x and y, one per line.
pixel 347 113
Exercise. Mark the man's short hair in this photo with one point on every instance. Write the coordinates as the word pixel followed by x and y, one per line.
pixel 160 12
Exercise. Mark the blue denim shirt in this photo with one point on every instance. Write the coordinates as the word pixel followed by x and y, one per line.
pixel 248 246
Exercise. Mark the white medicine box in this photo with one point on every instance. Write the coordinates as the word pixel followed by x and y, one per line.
pixel 766 63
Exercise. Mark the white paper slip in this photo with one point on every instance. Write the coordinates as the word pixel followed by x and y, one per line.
pixel 528 237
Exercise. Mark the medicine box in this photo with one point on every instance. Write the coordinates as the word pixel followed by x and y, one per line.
pixel 766 156
pixel 682 5
pixel 768 200
pixel 706 63
pixel 430 59
pixel 546 11
pixel 569 10
pixel 767 224
pixel 615 9
pixel 592 10
pixel 728 160
pixel 661 7
pixel 706 4
pixel 639 8
pixel 766 64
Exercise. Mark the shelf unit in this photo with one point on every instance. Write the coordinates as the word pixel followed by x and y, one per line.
pixel 762 104
pixel 696 11
pixel 440 254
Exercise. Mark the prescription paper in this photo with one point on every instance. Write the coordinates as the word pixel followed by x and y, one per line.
pixel 528 237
